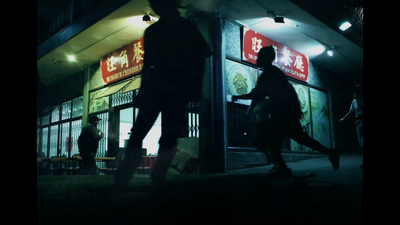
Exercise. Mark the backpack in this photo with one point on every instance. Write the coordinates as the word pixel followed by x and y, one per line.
pixel 83 140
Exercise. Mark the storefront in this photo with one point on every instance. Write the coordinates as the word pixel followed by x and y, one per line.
pixel 241 75
pixel 113 83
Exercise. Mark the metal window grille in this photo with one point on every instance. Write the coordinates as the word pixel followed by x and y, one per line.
pixel 193 120
pixel 65 139
pixel 45 133
pixel 77 107
pixel 121 99
pixel 66 110
pixel 53 140
pixel 240 131
pixel 55 115
pixel 103 143
pixel 76 130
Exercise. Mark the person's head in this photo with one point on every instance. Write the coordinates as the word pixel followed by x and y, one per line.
pixel 164 7
pixel 94 120
pixel 265 56
pixel 358 91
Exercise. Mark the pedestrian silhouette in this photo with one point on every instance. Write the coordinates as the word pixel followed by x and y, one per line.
pixel 357 107
pixel 284 114
pixel 88 142
pixel 173 68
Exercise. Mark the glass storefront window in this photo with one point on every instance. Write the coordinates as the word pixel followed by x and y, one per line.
pixel 304 98
pixel 55 115
pixel 65 139
pixel 53 140
pixel 46 120
pixel 66 110
pixel 76 130
pixel 77 107
pixel 45 133
pixel 103 127
pixel 320 117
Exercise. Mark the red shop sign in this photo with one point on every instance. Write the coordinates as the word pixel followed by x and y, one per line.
pixel 291 62
pixel 124 62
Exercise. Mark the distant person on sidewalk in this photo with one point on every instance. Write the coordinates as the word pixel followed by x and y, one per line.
pixel 88 142
pixel 283 119
pixel 357 107
pixel 172 76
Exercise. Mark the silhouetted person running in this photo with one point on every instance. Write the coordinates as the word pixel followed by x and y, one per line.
pixel 285 113
pixel 173 68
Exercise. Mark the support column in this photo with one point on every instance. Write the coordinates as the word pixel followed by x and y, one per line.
pixel 213 123
pixel 85 103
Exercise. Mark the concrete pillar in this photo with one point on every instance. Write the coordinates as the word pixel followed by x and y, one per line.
pixel 85 103
pixel 213 123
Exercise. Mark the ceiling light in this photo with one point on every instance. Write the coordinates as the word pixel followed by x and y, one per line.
pixel 345 26
pixel 329 52
pixel 279 19
pixel 71 58
pixel 146 18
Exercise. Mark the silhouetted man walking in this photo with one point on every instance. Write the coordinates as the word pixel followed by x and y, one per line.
pixel 173 67
pixel 284 113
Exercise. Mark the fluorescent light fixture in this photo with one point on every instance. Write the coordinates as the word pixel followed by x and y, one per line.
pixel 71 58
pixel 330 52
pixel 345 26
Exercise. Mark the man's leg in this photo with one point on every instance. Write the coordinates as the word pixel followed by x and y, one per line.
pixel 173 125
pixel 133 152
pixel 296 133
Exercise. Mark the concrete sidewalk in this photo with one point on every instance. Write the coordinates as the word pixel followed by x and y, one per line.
pixel 332 197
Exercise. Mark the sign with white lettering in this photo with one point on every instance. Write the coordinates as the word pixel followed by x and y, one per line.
pixel 291 62
pixel 124 62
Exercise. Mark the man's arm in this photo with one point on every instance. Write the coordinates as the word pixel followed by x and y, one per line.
pixel 96 134
pixel 347 114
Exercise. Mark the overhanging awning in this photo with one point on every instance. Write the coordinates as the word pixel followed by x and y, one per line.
pixel 134 85
pixel 114 89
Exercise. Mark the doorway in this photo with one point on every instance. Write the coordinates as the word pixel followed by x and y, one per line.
pixel 127 117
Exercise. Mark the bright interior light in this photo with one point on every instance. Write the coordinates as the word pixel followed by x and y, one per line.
pixel 316 50
pixel 71 58
pixel 330 53
pixel 345 26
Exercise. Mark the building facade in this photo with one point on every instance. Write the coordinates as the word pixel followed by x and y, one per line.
pixel 108 87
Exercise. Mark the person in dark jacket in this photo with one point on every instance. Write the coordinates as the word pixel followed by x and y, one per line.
pixel 88 143
pixel 172 76
pixel 284 114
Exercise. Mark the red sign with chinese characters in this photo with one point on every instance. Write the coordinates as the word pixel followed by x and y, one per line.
pixel 122 63
pixel 291 62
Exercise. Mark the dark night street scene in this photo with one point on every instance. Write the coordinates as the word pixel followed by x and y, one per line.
pixel 200 112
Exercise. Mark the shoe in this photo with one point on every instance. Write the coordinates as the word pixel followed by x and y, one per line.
pixel 274 168
pixel 334 159
pixel 281 173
